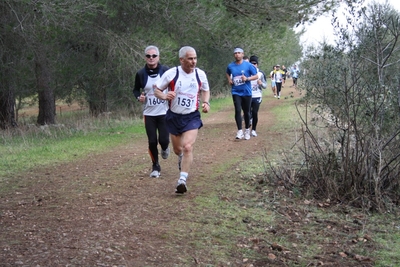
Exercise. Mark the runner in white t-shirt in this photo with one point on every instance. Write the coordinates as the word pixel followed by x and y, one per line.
pixel 273 84
pixel 185 84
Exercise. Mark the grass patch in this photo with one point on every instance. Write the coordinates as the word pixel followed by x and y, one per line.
pixel 387 235
pixel 42 146
pixel 241 217
pixel 220 103
pixel 77 136
pixel 286 116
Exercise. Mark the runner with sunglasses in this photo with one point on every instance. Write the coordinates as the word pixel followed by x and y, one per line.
pixel 154 109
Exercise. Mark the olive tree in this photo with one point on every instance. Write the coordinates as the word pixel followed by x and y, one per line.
pixel 355 91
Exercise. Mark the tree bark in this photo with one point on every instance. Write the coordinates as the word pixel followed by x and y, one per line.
pixel 97 96
pixel 7 99
pixel 98 102
pixel 47 105
pixel 7 110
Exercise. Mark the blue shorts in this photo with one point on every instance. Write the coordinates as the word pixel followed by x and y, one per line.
pixel 180 123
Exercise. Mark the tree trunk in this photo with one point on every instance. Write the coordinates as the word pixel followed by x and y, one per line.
pixel 98 102
pixel 7 99
pixel 97 96
pixel 7 111
pixel 47 105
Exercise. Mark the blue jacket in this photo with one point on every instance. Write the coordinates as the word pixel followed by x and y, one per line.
pixel 239 87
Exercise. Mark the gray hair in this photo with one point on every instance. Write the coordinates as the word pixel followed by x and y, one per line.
pixel 184 50
pixel 152 47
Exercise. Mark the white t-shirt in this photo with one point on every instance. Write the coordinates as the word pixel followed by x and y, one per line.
pixel 256 90
pixel 278 77
pixel 186 87
pixel 272 76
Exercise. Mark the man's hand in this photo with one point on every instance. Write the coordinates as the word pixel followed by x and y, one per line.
pixel 160 94
pixel 170 95
pixel 206 107
pixel 142 97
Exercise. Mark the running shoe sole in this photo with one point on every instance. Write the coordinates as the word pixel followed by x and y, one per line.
pixel 239 136
pixel 155 174
pixel 181 188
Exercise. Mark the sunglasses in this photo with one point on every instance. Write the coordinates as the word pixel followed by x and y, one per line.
pixel 254 63
pixel 153 56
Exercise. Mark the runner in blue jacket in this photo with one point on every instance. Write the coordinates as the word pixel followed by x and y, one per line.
pixel 240 73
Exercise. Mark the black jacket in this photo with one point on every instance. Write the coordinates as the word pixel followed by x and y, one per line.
pixel 143 74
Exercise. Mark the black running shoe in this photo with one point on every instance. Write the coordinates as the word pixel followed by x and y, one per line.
pixel 181 187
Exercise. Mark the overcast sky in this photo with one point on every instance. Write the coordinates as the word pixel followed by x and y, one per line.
pixel 322 29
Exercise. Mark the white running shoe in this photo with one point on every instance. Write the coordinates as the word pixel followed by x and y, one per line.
pixel 155 174
pixel 253 133
pixel 247 134
pixel 181 186
pixel 165 153
pixel 239 134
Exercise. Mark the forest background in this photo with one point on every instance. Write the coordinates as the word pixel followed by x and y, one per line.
pixel 89 51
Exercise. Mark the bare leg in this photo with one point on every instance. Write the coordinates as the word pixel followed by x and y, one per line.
pixel 184 144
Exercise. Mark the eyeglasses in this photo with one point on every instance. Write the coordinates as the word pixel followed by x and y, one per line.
pixel 254 63
pixel 153 56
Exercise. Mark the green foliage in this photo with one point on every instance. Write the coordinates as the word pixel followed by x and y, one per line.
pixel 354 89
pixel 96 46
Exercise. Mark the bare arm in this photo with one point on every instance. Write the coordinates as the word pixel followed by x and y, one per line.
pixel 229 78
pixel 205 97
pixel 159 93
pixel 251 78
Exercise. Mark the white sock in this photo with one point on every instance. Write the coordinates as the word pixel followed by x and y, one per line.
pixel 183 176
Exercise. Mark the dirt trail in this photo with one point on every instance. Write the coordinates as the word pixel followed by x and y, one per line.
pixel 106 211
